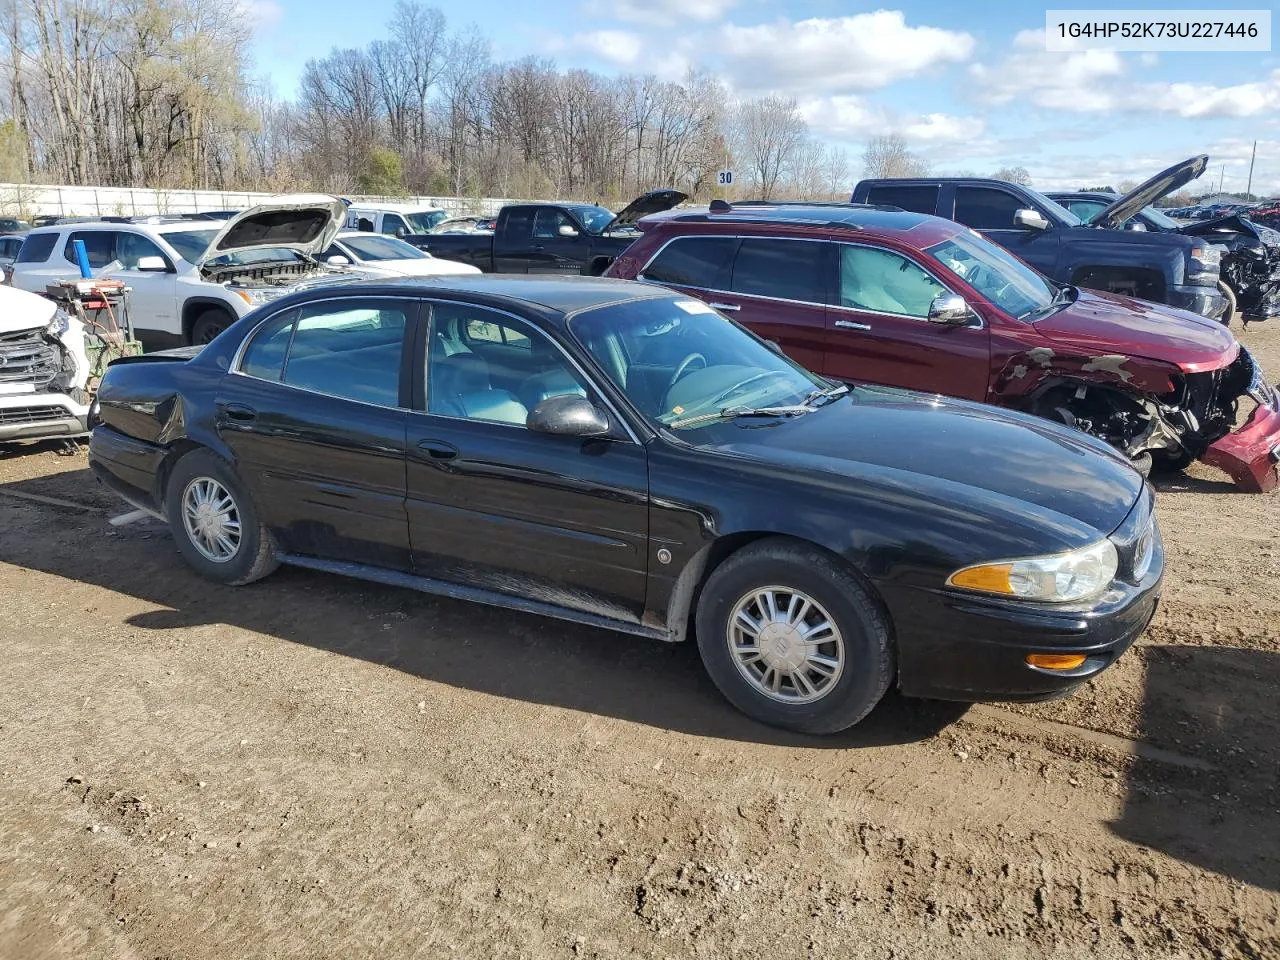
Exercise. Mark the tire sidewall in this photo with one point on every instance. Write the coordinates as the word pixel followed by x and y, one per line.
pixel 206 317
pixel 868 666
pixel 202 463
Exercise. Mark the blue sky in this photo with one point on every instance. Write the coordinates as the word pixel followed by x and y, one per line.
pixel 970 86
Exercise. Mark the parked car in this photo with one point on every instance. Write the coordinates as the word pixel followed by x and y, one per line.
pixel 1162 268
pixel 44 369
pixel 1250 253
pixel 617 455
pixel 192 279
pixel 560 238
pixel 13 225
pixel 466 225
pixel 394 219
pixel 375 255
pixel 879 295
pixel 9 247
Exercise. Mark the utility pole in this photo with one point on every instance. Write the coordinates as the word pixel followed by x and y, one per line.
pixel 1222 173
pixel 1249 189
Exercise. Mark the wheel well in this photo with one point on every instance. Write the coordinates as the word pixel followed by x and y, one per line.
pixel 193 309
pixel 683 603
pixel 177 450
pixel 599 265
pixel 1142 282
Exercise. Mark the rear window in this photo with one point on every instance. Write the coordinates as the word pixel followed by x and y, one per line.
pixel 694 262
pixel 37 247
pixel 782 269
pixel 917 199
pixel 99 245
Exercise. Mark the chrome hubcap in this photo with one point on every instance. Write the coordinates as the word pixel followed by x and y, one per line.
pixel 785 644
pixel 211 519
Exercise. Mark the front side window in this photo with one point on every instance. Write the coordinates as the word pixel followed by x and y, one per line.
pixel 99 245
pixel 885 282
pixel 703 262
pixel 483 365
pixel 984 208
pixel 781 269
pixel 132 247
pixel 548 221
pixel 393 223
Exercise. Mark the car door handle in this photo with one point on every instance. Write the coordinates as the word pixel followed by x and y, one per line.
pixel 240 413
pixel 438 449
pixel 852 325
pixel 731 307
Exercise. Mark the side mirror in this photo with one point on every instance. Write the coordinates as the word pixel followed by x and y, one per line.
pixel 1136 225
pixel 1032 219
pixel 567 231
pixel 949 309
pixel 152 265
pixel 338 260
pixel 401 232
pixel 568 416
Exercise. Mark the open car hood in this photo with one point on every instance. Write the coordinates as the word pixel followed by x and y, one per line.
pixel 304 223
pixel 1144 195
pixel 1236 223
pixel 655 201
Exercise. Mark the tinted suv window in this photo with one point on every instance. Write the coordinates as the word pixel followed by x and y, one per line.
pixel 37 247
pixel 917 199
pixel 694 262
pixel 100 245
pixel 984 208
pixel 785 269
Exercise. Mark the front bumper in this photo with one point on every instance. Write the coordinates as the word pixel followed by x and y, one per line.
pixel 40 416
pixel 1206 301
pixel 1251 455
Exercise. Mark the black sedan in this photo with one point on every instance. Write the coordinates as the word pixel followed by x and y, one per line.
pixel 615 454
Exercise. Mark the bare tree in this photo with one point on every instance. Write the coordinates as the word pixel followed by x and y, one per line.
pixel 888 156
pixel 765 136
pixel 1017 175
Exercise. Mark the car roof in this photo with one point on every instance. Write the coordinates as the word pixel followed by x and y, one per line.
pixel 850 219
pixel 396 208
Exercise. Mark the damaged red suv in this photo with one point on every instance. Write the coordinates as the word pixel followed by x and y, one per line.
pixel 878 295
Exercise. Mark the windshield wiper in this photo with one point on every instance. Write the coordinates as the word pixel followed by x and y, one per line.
pixel 830 393
pixel 731 413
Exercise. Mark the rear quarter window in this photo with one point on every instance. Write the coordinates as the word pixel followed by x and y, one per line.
pixel 918 198
pixel 37 247
pixel 694 262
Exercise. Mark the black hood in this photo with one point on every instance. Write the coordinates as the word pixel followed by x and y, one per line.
pixel 655 201
pixel 1236 223
pixel 1144 195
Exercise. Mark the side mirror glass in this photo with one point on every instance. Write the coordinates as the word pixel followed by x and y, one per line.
pixel 338 260
pixel 949 308
pixel 567 231
pixel 152 265
pixel 568 416
pixel 1031 219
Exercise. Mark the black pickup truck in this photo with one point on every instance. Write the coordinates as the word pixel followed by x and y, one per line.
pixel 1167 268
pixel 560 238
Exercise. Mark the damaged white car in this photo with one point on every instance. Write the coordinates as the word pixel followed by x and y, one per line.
pixel 44 369
pixel 191 281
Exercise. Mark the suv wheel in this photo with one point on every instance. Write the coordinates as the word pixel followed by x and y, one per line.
pixel 215 523
pixel 208 324
pixel 793 638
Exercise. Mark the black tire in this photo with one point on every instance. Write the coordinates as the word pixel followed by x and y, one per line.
pixel 208 324
pixel 868 665
pixel 254 557
pixel 1168 461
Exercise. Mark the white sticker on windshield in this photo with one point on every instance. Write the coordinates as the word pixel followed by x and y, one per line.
pixel 693 306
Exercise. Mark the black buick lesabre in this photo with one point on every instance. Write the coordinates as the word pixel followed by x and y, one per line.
pixel 615 454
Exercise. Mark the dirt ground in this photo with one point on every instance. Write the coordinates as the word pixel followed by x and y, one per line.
pixel 315 767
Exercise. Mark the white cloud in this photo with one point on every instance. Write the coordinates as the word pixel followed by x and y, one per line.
pixel 660 13
pixel 943 128
pixel 851 117
pixel 837 55
pixel 617 46
pixel 260 13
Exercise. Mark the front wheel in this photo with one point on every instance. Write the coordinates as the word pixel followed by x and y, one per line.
pixel 215 523
pixel 793 638
pixel 208 325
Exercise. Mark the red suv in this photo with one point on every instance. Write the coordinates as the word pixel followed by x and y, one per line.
pixel 878 295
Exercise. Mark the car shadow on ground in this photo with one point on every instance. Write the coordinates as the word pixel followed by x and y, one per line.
pixel 494 651
pixel 1214 800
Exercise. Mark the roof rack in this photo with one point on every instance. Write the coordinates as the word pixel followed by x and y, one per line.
pixel 722 206
pixel 748 218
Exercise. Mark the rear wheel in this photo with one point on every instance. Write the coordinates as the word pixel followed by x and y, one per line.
pixel 792 638
pixel 215 523
pixel 208 324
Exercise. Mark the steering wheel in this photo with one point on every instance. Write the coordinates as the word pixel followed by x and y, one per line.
pixel 683 367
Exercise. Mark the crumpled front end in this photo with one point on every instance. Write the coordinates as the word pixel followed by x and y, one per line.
pixel 1250 454
pixel 44 373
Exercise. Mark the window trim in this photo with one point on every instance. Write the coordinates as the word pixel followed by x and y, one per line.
pixel 234 368
pixel 529 325
pixel 640 277
pixel 900 316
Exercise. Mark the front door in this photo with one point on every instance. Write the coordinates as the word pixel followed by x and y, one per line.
pixel 878 331
pixel 153 297
pixel 552 251
pixel 316 421
pixel 494 505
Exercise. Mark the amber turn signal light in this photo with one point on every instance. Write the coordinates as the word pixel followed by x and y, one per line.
pixel 1055 661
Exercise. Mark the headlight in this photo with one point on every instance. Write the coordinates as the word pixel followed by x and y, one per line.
pixel 257 296
pixel 1060 578
pixel 1206 263
pixel 59 325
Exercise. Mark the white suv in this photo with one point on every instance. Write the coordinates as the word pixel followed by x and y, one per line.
pixel 191 279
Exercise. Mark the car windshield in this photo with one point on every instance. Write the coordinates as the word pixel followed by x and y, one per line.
pixel 190 244
pixel 996 274
pixel 678 360
pixel 595 219
pixel 423 222
pixel 1159 218
pixel 374 247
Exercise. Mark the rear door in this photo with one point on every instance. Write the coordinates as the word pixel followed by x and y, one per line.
pixel 315 415
pixel 878 329
pixel 990 211
pixel 497 506
pixel 513 240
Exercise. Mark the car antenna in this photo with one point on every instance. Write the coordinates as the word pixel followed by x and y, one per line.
pixel 720 206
